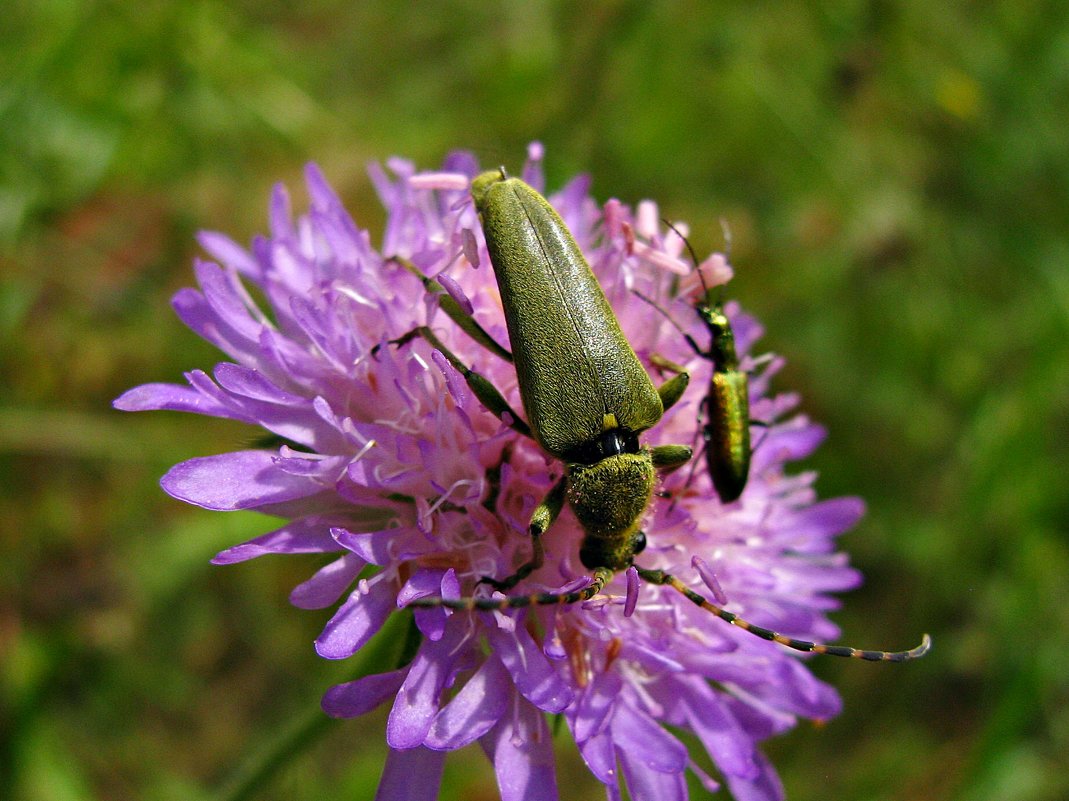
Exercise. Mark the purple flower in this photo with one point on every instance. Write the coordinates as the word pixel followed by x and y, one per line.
pixel 393 468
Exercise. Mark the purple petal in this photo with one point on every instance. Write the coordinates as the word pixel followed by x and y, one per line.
pixel 787 442
pixel 386 546
pixel 227 299
pixel 652 656
pixel 362 614
pixel 294 419
pixel 284 360
pixel 280 213
pixel 237 480
pixel 746 328
pixel 552 644
pixel 328 583
pixel 432 622
pixel 169 397
pixel 614 217
pixel 424 582
pixel 416 705
pixel 253 384
pixel 453 380
pixel 385 188
pixel 229 253
pixel 644 784
pixel 766 787
pixel 599 753
pixel 462 161
pixel 206 386
pixel 758 719
pixel 194 310
pixel 318 327
pixel 570 202
pixel 219 313
pixel 355 698
pixel 649 746
pixel 827 518
pixel 803 693
pixel 779 680
pixel 532 168
pixel 595 704
pixel 521 749
pixel 534 676
pixel 413 775
pixel 322 195
pixel 730 747
pixel 472 711
pixel 304 535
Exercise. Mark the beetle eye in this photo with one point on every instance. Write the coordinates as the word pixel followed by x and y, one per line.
pixel 640 542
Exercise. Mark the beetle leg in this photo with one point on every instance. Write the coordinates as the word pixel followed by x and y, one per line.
pixel 454 311
pixel 541 519
pixel 666 365
pixel 672 389
pixel 669 457
pixel 487 393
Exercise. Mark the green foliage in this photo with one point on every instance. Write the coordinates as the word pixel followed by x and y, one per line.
pixel 896 180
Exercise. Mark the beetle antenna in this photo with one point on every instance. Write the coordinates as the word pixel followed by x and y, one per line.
pixel 603 575
pixel 598 580
pixel 726 229
pixel 693 255
pixel 661 578
pixel 690 340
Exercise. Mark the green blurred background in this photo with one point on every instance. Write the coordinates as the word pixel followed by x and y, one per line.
pixel 896 175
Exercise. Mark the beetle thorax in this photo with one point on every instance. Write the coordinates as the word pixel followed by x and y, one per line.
pixel 610 496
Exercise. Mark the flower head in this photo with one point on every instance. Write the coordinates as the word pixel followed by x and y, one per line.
pixel 392 467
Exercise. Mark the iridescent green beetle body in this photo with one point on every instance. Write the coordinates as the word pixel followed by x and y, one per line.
pixel 725 408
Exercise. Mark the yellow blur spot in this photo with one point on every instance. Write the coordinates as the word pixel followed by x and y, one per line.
pixel 958 94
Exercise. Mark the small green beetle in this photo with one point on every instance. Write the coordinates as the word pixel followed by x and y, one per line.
pixel 587 399
pixel 725 409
